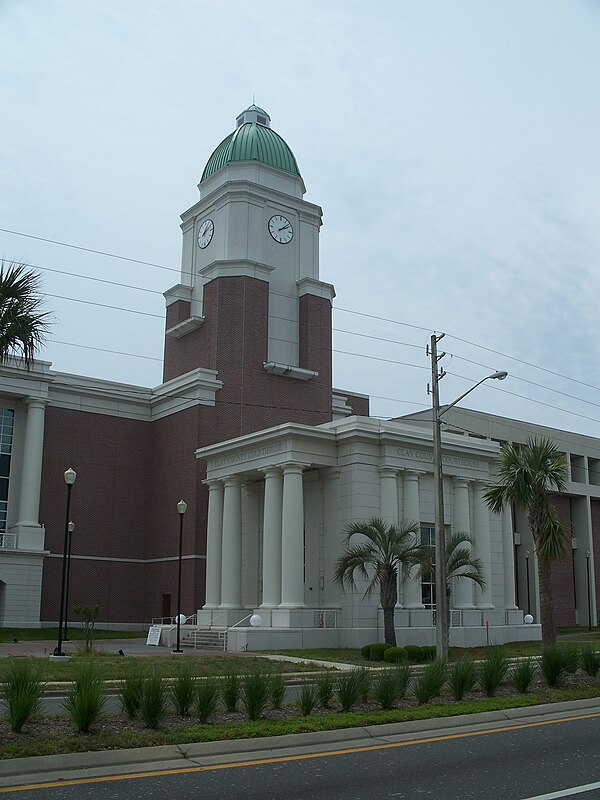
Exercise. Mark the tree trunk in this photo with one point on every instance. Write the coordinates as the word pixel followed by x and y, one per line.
pixel 546 602
pixel 389 630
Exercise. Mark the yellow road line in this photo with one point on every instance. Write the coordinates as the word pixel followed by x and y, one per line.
pixel 302 757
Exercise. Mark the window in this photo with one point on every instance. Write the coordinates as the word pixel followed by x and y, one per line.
pixel 428 584
pixel 7 419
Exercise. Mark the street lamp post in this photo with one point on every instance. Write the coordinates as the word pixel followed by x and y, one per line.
pixel 71 528
pixel 69 476
pixel 527 574
pixel 441 597
pixel 589 590
pixel 181 508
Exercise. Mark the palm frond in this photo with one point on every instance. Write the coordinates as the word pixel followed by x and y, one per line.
pixel 23 326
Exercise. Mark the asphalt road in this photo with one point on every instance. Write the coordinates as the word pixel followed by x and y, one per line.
pixel 510 760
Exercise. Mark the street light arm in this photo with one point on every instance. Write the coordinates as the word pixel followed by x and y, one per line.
pixel 496 376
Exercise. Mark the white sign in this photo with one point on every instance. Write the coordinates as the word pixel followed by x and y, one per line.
pixel 154 635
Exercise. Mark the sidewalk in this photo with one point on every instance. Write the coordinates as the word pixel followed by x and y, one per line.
pixel 130 647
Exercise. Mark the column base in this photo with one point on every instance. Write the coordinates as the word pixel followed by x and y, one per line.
pixel 466 606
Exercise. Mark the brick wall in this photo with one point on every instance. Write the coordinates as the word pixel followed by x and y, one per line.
pixel 562 574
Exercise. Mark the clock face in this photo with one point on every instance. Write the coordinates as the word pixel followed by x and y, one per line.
pixel 205 233
pixel 281 229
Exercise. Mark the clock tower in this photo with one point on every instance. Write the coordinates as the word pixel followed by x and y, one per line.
pixel 250 304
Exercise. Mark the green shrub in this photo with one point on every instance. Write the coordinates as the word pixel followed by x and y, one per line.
pixel 552 665
pixel 431 681
pixel 231 691
pixel 207 698
pixel 307 700
pixel 377 651
pixel 348 689
pixel 85 698
pixel 395 655
pixel 364 675
pixel 571 656
pixel 365 652
pixel 402 675
pixel 154 702
pixel 276 689
pixel 590 659
pixel 131 691
pixel 462 678
pixel 22 692
pixel 255 693
pixel 326 688
pixel 183 690
pixel 493 670
pixel 414 652
pixel 523 674
pixel 385 689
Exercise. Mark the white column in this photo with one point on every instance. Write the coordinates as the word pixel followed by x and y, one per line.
pixel 214 544
pixel 231 570
pixel 271 561
pixel 483 548
pixel 292 538
pixel 31 472
pixel 412 513
pixel 332 536
pixel 462 591
pixel 388 483
pixel 508 555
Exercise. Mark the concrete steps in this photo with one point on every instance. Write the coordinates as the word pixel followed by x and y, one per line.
pixel 206 639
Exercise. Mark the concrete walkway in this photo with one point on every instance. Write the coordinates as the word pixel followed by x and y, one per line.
pixel 130 647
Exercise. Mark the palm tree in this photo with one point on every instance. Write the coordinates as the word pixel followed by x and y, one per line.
pixel 461 565
pixel 384 551
pixel 527 476
pixel 22 325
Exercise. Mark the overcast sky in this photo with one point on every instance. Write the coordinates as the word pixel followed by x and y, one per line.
pixel 452 144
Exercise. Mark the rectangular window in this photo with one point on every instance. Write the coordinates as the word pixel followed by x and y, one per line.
pixel 7 421
pixel 428 584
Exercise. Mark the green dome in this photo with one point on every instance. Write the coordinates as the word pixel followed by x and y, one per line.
pixel 252 140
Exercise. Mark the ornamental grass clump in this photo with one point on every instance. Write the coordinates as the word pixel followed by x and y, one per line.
pixel 402 675
pixel 154 703
pixel 571 657
pixel 493 670
pixel 22 692
pixel 523 674
pixel 276 689
pixel 385 689
pixel 230 690
pixel 255 693
pixel 590 659
pixel 462 678
pixel 307 699
pixel 85 698
pixel 553 665
pixel 131 691
pixel 325 688
pixel 183 690
pixel 207 697
pixel 349 688
pixel 364 683
pixel 431 681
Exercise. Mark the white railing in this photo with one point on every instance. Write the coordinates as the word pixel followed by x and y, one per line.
pixel 191 620
pixel 8 540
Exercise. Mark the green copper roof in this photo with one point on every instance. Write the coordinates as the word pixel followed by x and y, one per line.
pixel 252 141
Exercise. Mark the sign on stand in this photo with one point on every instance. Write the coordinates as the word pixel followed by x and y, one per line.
pixel 154 635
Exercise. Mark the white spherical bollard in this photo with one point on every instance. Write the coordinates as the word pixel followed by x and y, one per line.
pixel 255 620
pixel 528 619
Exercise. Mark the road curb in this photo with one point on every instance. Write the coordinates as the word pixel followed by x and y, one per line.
pixel 45 765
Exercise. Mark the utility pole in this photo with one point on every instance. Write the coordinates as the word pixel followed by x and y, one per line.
pixel 441 597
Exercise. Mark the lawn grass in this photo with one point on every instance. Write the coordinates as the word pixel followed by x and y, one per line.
pixel 115 667
pixel 54 745
pixel 51 634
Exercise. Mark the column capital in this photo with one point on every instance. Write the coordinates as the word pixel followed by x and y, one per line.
pixel 293 467
pixel 388 472
pixel 213 483
pixel 232 480
pixel 413 474
pixel 272 472
pixel 36 402
pixel 459 480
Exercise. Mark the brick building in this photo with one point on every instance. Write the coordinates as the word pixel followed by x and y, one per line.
pixel 247 415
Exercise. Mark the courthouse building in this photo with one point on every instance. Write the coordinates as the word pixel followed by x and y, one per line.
pixel 272 461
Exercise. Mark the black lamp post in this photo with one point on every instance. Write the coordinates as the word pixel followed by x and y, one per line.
pixel 181 508
pixel 527 574
pixel 71 528
pixel 589 590
pixel 70 476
